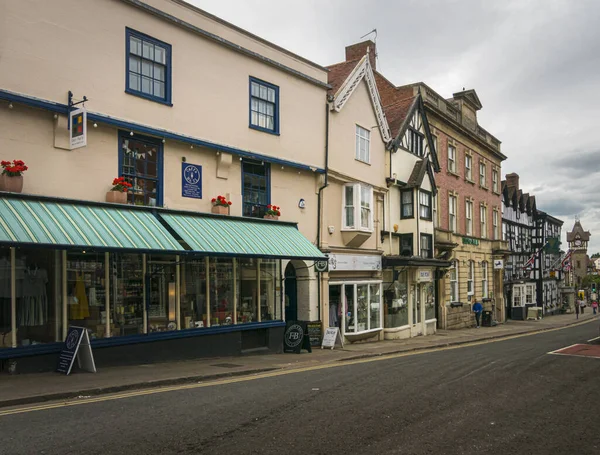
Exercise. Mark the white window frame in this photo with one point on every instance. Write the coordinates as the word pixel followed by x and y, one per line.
pixel 482 175
pixel 363 136
pixel 425 202
pixel 529 292
pixel 454 283
pixel 452 217
pixel 451 158
pixel 468 167
pixel 484 279
pixel 517 292
pixel 468 217
pixel 495 223
pixel 434 210
pixel 352 306
pixel 495 181
pixel 471 278
pixel 357 204
pixel 483 221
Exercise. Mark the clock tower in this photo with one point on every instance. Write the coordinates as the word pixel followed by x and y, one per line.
pixel 578 243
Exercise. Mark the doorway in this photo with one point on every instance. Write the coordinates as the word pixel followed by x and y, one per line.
pixel 417 320
pixel 291 293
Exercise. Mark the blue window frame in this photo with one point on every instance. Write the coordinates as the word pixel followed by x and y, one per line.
pixel 264 106
pixel 256 188
pixel 148 64
pixel 141 163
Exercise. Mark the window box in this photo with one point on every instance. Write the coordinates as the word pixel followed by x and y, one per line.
pixel 148 67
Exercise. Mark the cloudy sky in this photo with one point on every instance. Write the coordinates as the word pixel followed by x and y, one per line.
pixel 535 65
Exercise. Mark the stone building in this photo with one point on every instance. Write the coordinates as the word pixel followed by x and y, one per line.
pixel 578 240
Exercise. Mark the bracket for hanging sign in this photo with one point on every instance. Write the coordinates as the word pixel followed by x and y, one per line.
pixel 77 123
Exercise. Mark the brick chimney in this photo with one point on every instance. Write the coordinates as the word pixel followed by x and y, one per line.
pixel 512 180
pixel 358 51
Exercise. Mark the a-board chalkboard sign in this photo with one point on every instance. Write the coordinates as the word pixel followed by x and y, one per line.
pixel 295 337
pixel 314 333
pixel 77 345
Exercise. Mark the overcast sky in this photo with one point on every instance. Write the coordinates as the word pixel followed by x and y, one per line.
pixel 535 65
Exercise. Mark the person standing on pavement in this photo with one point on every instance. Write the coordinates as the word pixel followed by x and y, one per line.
pixel 577 305
pixel 478 309
pixel 582 303
pixel 595 306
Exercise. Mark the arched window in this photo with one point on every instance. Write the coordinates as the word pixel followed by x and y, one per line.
pixel 484 279
pixel 454 282
pixel 470 284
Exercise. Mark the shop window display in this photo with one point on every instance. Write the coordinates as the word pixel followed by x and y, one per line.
pixel 39 300
pixel 127 302
pixel 270 271
pixel 193 294
pixel 248 308
pixel 375 306
pixel 396 301
pixel 86 291
pixel 221 292
pixel 429 302
pixel 363 309
pixel 163 289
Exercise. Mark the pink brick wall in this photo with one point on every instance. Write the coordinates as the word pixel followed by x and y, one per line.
pixel 446 182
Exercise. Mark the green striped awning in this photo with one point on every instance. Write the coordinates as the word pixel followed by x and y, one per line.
pixel 67 224
pixel 240 237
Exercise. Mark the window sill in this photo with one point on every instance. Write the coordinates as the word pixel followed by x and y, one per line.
pixel 472 182
pixel 426 219
pixel 363 230
pixel 149 97
pixel 496 192
pixel 454 174
pixel 412 217
pixel 363 162
pixel 264 130
pixel 483 187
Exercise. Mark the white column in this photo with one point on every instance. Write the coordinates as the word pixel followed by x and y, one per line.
pixel 177 293
pixel 107 293
pixel 65 316
pixel 13 296
pixel 144 308
pixel 235 294
pixel 207 265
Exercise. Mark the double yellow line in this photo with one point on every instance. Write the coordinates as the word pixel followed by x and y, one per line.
pixel 271 374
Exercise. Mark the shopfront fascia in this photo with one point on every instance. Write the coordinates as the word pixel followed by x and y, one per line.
pixel 131 277
pixel 409 292
pixel 355 295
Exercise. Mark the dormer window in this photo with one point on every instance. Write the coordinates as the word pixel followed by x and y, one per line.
pixel 415 142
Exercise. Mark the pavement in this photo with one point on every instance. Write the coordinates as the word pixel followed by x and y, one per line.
pixel 23 389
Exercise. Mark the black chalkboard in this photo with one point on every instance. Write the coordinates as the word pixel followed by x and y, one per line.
pixel 314 333
pixel 69 350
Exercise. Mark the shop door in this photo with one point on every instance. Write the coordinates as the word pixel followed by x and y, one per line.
pixel 161 298
pixel 291 294
pixel 417 327
pixel 508 304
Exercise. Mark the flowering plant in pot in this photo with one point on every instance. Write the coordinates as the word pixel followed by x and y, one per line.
pixel 118 193
pixel 12 175
pixel 220 205
pixel 273 212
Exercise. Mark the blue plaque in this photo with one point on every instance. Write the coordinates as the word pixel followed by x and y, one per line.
pixel 191 180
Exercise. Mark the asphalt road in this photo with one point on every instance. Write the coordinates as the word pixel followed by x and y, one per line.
pixel 505 397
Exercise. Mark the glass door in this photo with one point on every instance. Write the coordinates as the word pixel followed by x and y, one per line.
pixel 162 295
pixel 417 325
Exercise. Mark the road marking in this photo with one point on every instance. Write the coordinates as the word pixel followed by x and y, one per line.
pixel 561 349
pixel 254 377
pixel 593 339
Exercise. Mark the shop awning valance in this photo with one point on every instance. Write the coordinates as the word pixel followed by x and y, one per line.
pixel 240 237
pixel 70 224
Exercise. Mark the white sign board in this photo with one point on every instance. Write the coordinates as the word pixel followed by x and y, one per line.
pixel 331 338
pixel 354 262
pixel 78 128
pixel 423 276
pixel 498 264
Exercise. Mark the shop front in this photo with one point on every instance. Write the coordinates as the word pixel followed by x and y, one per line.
pixel 355 296
pixel 147 284
pixel 409 296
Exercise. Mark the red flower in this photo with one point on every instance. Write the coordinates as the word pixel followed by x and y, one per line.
pixel 229 203
pixel 213 200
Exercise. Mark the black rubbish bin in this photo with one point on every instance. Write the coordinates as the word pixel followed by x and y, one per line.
pixel 486 319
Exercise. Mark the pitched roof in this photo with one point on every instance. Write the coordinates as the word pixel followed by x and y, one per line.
pixel 338 74
pixel 417 174
pixel 397 112
pixel 578 229
pixel 396 101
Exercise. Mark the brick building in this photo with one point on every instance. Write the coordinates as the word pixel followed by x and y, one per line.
pixel 467 207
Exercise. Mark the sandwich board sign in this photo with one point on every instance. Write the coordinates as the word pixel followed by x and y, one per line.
pixel 332 337
pixel 296 337
pixel 77 344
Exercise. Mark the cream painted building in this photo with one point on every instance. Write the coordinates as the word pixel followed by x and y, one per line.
pixel 186 107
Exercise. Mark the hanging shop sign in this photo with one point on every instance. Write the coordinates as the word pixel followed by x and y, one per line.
pixel 191 180
pixel 332 338
pixel 354 263
pixel 78 128
pixel 314 333
pixel 296 337
pixel 77 345
pixel 322 266
pixel 499 264
pixel 470 241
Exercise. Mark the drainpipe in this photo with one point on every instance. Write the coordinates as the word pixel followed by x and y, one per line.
pixel 319 204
